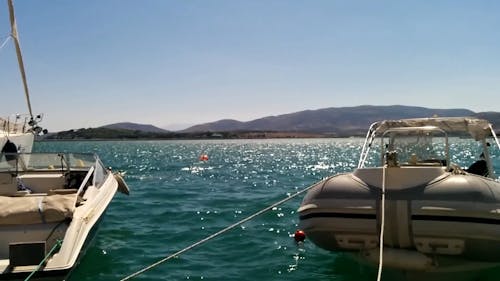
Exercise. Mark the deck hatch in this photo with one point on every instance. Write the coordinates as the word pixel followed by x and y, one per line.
pixel 26 253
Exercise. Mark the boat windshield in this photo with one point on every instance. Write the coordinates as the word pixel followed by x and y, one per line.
pixel 25 162
pixel 415 146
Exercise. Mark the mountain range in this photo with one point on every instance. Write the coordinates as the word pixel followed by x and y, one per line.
pixel 331 122
pixel 135 127
pixel 339 121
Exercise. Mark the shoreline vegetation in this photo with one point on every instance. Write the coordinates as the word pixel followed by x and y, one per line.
pixel 103 134
pixel 122 134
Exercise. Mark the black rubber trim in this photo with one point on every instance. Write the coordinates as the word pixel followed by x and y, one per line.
pixel 338 215
pixel 455 219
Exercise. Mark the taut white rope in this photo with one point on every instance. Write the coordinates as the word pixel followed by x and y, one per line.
pixel 382 226
pixel 217 233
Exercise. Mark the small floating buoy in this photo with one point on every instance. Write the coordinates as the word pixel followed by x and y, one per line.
pixel 204 157
pixel 299 236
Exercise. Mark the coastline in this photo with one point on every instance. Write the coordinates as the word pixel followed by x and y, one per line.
pixel 197 136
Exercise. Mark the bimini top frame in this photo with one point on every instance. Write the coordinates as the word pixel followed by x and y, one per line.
pixel 478 129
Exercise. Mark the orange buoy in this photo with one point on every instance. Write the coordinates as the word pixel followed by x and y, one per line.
pixel 204 157
pixel 299 236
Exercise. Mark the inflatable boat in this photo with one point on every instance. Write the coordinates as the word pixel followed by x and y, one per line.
pixel 410 197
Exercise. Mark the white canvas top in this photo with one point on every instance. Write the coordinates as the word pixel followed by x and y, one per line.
pixel 477 128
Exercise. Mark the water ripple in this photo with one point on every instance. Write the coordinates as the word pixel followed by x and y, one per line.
pixel 177 200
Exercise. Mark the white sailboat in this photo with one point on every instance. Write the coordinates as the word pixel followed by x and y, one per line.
pixel 17 132
pixel 50 203
pixel 15 136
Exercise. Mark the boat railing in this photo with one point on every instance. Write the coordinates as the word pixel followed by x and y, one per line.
pixel 477 130
pixel 20 123
pixel 14 124
pixel 370 136
pixel 493 133
pixel 85 181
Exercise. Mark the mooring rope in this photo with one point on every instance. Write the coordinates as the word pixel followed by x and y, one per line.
pixel 56 246
pixel 382 226
pixel 217 233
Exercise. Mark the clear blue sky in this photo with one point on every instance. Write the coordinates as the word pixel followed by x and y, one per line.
pixel 163 62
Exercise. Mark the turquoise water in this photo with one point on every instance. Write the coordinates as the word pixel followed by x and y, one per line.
pixel 177 200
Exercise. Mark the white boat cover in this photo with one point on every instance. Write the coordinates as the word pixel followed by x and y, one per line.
pixel 36 209
pixel 478 128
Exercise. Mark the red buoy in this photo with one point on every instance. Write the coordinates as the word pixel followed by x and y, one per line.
pixel 299 236
pixel 204 157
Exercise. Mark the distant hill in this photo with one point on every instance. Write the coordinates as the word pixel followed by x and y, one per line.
pixel 218 126
pixel 493 117
pixel 327 122
pixel 104 133
pixel 135 127
pixel 123 134
pixel 340 121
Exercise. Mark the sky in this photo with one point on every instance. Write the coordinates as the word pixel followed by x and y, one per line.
pixel 174 63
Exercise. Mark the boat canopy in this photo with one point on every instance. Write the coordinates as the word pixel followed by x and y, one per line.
pixel 479 129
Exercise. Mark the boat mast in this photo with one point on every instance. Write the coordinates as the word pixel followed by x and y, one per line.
pixel 15 35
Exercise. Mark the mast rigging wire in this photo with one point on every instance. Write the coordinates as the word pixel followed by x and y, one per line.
pixel 5 42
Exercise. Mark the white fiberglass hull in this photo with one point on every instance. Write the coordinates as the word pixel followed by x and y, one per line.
pixel 63 207
pixel 23 142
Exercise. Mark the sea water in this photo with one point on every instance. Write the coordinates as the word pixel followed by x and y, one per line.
pixel 177 200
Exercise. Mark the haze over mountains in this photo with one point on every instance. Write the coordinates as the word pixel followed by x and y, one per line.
pixel 336 121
